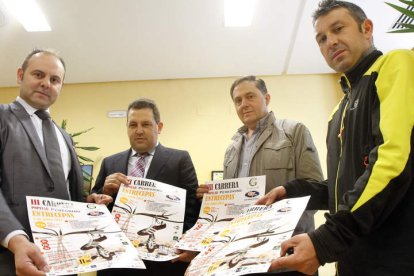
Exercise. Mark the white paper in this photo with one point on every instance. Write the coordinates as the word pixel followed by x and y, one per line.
pixel 226 200
pixel 251 241
pixel 151 214
pixel 77 237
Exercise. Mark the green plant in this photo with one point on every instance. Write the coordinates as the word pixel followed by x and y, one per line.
pixel 408 28
pixel 87 177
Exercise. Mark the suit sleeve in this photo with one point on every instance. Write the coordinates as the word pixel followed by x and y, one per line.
pixel 100 179
pixel 188 179
pixel 8 222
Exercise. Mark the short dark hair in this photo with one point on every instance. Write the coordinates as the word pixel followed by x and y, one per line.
pixel 146 103
pixel 326 6
pixel 260 84
pixel 45 51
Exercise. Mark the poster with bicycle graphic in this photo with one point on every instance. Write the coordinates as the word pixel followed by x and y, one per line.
pixel 225 200
pixel 151 214
pixel 77 237
pixel 250 242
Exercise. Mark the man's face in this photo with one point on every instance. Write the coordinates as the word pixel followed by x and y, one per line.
pixel 142 129
pixel 250 103
pixel 340 39
pixel 42 81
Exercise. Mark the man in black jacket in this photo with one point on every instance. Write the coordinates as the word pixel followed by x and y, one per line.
pixel 369 190
pixel 167 165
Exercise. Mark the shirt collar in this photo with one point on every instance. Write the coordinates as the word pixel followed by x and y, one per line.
pixel 29 109
pixel 151 152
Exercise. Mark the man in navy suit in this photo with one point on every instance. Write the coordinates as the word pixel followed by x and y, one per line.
pixel 24 167
pixel 167 165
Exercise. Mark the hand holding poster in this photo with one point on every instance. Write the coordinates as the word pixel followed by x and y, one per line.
pixel 78 237
pixel 151 214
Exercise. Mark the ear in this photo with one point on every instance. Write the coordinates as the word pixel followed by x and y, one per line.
pixel 160 125
pixel 267 99
pixel 368 28
pixel 19 75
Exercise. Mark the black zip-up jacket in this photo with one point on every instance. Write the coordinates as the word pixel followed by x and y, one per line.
pixel 370 190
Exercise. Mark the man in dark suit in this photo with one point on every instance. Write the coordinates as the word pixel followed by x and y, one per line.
pixel 25 168
pixel 167 165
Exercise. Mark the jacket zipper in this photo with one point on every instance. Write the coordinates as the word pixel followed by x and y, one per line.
pixel 347 89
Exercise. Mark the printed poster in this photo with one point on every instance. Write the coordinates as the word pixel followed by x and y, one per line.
pixel 225 201
pixel 250 242
pixel 77 237
pixel 151 214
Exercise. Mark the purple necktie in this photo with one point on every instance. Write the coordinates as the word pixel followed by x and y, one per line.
pixel 139 168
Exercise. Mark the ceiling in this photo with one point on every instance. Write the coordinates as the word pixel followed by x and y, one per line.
pixel 119 40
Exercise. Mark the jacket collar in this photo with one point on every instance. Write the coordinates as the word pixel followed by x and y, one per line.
pixel 261 124
pixel 356 73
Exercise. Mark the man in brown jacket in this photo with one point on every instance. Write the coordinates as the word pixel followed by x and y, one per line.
pixel 281 149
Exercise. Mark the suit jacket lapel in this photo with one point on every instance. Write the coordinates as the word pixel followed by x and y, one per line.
pixel 27 124
pixel 121 164
pixel 75 176
pixel 158 160
pixel 69 144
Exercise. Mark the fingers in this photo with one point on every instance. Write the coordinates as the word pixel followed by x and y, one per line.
pixel 91 198
pixel 298 254
pixel 30 269
pixel 99 199
pixel 268 199
pixel 291 262
pixel 110 189
pixel 274 195
pixel 27 257
pixel 262 200
pixel 287 247
pixel 201 190
pixel 39 261
pixel 179 252
pixel 282 263
pixel 113 182
pixel 185 256
pixel 294 244
pixel 104 199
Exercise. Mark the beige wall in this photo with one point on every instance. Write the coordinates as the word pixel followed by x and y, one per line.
pixel 198 114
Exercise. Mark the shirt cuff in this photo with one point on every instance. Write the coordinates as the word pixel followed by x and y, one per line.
pixel 5 242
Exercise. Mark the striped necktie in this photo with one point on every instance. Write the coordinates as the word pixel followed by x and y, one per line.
pixel 139 168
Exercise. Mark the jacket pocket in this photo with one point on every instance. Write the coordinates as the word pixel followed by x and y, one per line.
pixel 278 156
